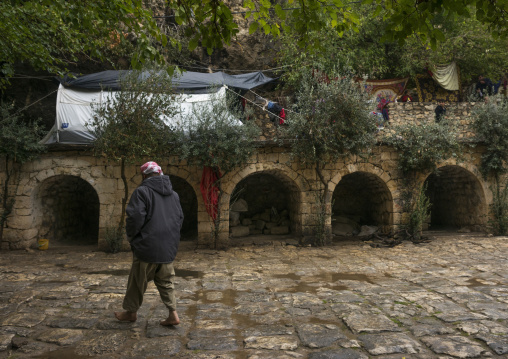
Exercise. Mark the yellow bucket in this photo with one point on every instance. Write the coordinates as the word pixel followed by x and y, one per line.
pixel 43 244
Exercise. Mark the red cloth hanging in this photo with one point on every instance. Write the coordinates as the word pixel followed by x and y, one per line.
pixel 282 116
pixel 210 191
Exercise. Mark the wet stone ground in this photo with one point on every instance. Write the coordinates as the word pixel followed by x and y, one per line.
pixel 271 299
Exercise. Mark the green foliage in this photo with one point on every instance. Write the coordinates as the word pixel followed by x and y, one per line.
pixel 19 141
pixel 213 136
pixel 499 208
pixel 466 41
pixel 329 121
pixel 209 23
pixel 422 146
pixel 51 34
pixel 359 51
pixel 401 18
pixel 367 50
pixel 417 205
pixel 405 17
pixel 131 124
pixel 491 127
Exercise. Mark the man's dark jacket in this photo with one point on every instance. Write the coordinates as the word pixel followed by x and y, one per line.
pixel 154 219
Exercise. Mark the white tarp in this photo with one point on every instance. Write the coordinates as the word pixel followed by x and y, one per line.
pixel 447 76
pixel 74 110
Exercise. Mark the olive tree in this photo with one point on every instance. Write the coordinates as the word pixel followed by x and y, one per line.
pixel 491 127
pixel 420 148
pixel 329 121
pixel 215 136
pixel 19 143
pixel 131 124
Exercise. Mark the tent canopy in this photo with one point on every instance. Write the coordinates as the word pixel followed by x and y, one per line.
pixel 77 97
pixel 186 82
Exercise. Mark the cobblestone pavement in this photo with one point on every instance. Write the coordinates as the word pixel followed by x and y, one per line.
pixel 443 299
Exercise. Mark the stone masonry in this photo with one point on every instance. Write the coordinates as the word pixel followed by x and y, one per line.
pixel 66 192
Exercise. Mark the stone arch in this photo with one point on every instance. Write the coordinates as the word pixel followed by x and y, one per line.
pixel 269 187
pixel 67 210
pixel 457 198
pixel 189 203
pixel 361 198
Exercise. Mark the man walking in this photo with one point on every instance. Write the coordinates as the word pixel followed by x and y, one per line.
pixel 154 219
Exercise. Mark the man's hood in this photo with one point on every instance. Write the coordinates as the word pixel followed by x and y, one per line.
pixel 160 184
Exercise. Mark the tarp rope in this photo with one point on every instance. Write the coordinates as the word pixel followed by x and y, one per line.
pixel 255 104
pixel 33 103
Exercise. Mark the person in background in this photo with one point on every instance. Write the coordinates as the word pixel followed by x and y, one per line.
pixel 154 220
pixel 406 97
pixel 483 87
pixel 440 111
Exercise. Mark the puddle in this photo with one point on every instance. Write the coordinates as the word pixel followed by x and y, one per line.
pixel 351 276
pixel 313 283
pixel 228 297
pixel 184 273
pixel 474 282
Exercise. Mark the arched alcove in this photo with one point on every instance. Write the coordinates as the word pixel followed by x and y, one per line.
pixel 457 199
pixel 361 198
pixel 266 203
pixel 67 210
pixel 189 203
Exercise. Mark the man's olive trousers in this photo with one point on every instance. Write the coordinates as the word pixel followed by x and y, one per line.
pixel 163 276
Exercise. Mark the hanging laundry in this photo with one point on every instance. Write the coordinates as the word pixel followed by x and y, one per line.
pixel 210 191
pixel 275 109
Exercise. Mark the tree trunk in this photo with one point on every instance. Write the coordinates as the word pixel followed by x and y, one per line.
pixel 121 224
pixel 216 222
pixel 323 202
pixel 5 197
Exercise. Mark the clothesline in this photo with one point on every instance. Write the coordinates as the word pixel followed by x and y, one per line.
pixel 230 70
pixel 255 104
pixel 285 109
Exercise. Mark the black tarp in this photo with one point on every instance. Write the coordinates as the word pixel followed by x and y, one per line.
pixel 186 82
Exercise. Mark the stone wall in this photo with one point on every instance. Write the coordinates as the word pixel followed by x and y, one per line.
pixel 65 192
pixel 423 112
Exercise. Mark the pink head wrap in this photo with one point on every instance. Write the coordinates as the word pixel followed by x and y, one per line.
pixel 151 167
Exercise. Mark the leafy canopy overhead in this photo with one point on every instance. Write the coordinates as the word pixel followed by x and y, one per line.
pixel 467 42
pixel 402 17
pixel 52 34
